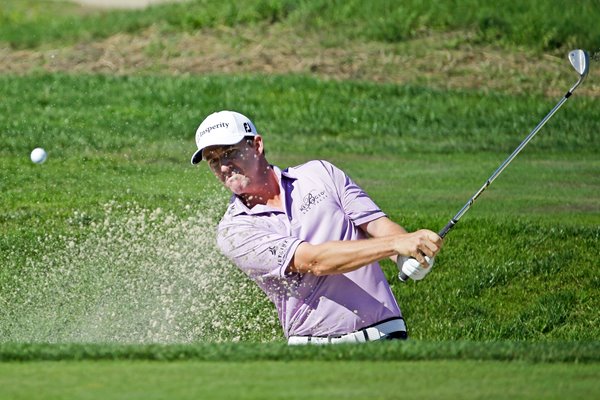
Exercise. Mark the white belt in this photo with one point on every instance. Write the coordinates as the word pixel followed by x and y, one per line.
pixel 376 332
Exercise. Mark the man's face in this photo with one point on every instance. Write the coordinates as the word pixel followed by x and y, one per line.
pixel 234 165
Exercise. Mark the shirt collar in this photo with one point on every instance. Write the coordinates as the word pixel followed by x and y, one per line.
pixel 287 173
pixel 237 206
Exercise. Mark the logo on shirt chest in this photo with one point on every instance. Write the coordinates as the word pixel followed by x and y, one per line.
pixel 313 198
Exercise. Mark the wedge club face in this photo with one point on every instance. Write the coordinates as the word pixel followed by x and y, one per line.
pixel 580 60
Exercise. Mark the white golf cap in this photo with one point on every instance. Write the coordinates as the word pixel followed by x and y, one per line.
pixel 220 129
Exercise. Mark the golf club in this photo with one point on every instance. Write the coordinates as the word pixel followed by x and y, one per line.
pixel 580 60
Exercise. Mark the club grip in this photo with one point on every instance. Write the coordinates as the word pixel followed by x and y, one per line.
pixel 401 275
pixel 447 228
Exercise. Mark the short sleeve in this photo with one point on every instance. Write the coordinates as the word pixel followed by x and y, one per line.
pixel 356 203
pixel 258 251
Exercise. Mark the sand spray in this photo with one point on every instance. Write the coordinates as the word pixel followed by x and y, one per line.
pixel 136 275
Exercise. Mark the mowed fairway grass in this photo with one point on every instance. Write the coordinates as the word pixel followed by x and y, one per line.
pixel 416 369
pixel 298 380
pixel 510 311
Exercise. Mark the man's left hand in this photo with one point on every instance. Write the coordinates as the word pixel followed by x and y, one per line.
pixel 413 269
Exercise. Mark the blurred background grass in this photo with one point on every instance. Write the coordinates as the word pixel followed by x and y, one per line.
pixel 537 24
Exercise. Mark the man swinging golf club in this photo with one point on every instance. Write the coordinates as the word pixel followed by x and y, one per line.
pixel 311 238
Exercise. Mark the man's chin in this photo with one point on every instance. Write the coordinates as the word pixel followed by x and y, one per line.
pixel 237 184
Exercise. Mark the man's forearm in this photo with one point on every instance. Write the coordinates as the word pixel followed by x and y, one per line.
pixel 338 257
pixel 382 227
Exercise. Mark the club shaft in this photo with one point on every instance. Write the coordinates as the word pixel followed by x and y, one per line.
pixel 452 223
pixel 502 167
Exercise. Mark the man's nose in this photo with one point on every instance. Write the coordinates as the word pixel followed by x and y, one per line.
pixel 225 166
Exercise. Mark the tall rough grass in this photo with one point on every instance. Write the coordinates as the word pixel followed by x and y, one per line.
pixel 542 25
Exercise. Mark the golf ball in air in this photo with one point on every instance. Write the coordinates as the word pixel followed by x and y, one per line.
pixel 38 155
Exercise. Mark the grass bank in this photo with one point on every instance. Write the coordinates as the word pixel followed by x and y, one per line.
pixel 547 352
pixel 77 229
pixel 157 115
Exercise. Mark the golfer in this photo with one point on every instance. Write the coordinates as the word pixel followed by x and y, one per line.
pixel 310 237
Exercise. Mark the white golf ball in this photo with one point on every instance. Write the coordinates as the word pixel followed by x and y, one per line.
pixel 38 155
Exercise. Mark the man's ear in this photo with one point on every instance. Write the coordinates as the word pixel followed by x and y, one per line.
pixel 259 145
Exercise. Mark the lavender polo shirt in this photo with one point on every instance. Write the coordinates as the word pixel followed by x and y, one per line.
pixel 321 204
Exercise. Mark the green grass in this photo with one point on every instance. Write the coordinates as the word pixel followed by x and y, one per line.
pixel 537 24
pixel 101 113
pixel 276 371
pixel 110 284
pixel 582 352
pixel 519 266
pixel 298 380
pixel 272 371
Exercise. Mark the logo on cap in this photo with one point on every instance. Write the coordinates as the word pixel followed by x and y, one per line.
pixel 210 128
pixel 247 127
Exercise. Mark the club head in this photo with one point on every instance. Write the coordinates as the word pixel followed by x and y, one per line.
pixel 580 60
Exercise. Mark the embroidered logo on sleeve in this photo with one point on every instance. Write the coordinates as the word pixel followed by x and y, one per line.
pixel 281 251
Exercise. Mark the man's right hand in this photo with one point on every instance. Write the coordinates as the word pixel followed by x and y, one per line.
pixel 418 245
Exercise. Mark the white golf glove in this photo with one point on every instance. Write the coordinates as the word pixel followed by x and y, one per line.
pixel 411 267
